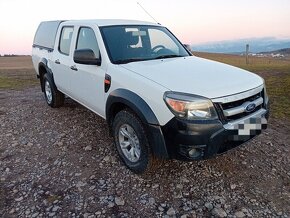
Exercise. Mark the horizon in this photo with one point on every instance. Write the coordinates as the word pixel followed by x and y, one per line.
pixel 203 44
pixel 193 22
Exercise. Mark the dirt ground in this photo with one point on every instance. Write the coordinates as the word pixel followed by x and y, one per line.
pixel 63 163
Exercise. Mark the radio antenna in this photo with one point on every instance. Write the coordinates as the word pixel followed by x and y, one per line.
pixel 147 13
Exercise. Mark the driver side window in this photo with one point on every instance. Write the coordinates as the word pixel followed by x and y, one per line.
pixel 159 38
pixel 87 40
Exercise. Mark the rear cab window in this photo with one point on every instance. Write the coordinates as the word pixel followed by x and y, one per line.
pixel 65 40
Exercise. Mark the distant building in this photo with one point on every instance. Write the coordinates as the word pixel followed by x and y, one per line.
pixel 277 55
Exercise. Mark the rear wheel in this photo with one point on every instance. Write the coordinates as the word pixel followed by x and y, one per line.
pixel 131 141
pixel 53 97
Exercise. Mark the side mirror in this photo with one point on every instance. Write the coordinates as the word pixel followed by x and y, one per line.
pixel 86 56
pixel 187 46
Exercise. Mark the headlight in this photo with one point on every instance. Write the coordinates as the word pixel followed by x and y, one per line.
pixel 190 107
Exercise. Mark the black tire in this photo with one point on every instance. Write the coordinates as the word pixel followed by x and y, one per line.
pixel 144 163
pixel 55 98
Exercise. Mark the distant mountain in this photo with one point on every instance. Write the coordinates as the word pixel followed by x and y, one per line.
pixel 239 46
pixel 284 51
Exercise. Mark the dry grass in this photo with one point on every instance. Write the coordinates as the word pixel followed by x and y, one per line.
pixel 256 64
pixel 14 63
pixel 17 72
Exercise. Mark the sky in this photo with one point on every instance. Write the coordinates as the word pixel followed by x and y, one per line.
pixel 192 21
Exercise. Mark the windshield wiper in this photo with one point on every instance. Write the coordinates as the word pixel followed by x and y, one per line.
pixel 168 56
pixel 125 61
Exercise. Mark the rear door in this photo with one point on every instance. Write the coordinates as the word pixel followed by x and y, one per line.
pixel 88 80
pixel 62 59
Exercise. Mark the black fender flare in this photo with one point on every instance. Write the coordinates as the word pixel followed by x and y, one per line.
pixel 133 101
pixel 43 63
pixel 144 112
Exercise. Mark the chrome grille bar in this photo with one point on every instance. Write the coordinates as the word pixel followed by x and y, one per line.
pixel 242 108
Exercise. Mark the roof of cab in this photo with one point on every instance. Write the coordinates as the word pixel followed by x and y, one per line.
pixel 109 22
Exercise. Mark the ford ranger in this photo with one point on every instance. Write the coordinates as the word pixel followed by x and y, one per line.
pixel 158 99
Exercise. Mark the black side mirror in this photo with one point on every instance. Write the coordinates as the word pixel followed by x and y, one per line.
pixel 86 56
pixel 187 46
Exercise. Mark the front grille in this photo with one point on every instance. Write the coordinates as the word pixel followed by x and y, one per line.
pixel 220 108
pixel 240 102
pixel 241 115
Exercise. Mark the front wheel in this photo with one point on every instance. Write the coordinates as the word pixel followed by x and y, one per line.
pixel 53 97
pixel 131 141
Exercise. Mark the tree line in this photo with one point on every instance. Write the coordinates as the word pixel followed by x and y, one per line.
pixel 9 55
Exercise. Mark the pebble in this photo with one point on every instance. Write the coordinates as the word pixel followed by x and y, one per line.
pixel 59 143
pixel 155 186
pixel 107 158
pixel 102 181
pixel 239 214
pixel 233 186
pixel 55 208
pixel 35 215
pixel 45 166
pixel 111 204
pixel 80 184
pixel 160 208
pixel 19 199
pixel 119 201
pixel 219 212
pixel 92 187
pixel 208 205
pixel 12 211
pixel 88 148
pixel 163 205
pixel 14 144
pixel 170 212
pixel 29 144
pixel 51 214
pixel 151 201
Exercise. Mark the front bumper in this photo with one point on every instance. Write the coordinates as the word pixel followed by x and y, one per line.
pixel 195 140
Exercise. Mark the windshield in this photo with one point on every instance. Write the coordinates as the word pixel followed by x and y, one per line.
pixel 126 44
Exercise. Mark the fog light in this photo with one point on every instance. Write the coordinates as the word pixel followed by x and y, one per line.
pixel 194 153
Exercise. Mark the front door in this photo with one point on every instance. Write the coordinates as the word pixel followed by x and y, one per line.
pixel 88 80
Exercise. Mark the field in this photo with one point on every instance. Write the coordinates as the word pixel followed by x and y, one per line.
pixel 17 73
pixel 62 162
pixel 256 64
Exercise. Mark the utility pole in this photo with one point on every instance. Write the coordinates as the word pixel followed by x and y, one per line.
pixel 247 53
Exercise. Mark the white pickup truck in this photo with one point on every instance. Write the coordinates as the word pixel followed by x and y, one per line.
pixel 157 98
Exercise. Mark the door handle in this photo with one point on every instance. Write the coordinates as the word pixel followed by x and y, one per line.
pixel 74 68
pixel 57 61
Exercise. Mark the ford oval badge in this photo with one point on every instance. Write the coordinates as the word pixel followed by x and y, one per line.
pixel 250 107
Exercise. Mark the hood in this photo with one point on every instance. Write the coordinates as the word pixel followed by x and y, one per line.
pixel 196 76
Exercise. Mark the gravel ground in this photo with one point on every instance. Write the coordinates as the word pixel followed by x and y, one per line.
pixel 62 163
